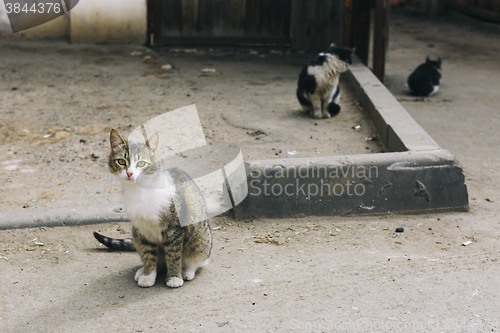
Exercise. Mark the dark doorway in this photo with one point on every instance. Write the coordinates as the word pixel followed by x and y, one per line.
pixel 219 22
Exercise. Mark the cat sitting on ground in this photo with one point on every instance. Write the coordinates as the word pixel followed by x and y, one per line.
pixel 152 197
pixel 318 88
pixel 425 79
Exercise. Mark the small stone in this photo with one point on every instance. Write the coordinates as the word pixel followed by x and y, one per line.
pixel 400 229
pixel 208 70
pixel 61 135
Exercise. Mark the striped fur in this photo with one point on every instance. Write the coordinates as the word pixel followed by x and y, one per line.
pixel 153 196
pixel 115 244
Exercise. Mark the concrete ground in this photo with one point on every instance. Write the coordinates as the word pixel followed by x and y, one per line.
pixel 342 274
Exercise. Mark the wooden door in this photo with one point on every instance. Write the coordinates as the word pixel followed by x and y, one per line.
pixel 219 22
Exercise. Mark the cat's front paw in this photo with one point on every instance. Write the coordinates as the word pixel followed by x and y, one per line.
pixel 188 276
pixel 139 273
pixel 326 115
pixel 317 116
pixel 145 280
pixel 175 282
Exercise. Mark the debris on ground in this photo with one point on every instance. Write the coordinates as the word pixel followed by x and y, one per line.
pixel 356 128
pixel 136 53
pixel 256 133
pixel 374 137
pixel 184 50
pixel 149 60
pixel 208 70
pixel 413 99
pixel 166 67
pixel 268 239
pixel 400 229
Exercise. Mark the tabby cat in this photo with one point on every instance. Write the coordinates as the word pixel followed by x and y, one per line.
pixel 425 79
pixel 318 88
pixel 153 196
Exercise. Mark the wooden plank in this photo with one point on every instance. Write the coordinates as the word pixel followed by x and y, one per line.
pixel 169 13
pixel 361 29
pixel 236 18
pixel 239 21
pixel 157 22
pixel 316 24
pixel 380 38
pixel 205 17
pixel 287 24
pixel 348 40
pixel 387 18
pixel 272 17
pixel 189 16
pixel 252 16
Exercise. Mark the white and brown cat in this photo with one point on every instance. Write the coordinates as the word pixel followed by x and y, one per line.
pixel 152 197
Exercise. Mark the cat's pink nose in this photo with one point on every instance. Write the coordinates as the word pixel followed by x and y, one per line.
pixel 129 174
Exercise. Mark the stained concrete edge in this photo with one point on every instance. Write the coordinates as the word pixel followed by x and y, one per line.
pixel 55 217
pixel 398 130
pixel 403 182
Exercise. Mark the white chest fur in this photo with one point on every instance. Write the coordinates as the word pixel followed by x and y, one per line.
pixel 144 206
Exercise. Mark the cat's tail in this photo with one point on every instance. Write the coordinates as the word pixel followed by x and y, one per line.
pixel 302 98
pixel 115 244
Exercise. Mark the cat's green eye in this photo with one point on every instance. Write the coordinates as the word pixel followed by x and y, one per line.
pixel 141 164
pixel 121 161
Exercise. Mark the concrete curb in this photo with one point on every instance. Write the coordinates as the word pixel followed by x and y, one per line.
pixel 417 176
pixel 56 217
pixel 404 182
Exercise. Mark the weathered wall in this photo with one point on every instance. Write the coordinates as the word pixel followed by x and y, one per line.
pixel 56 28
pixel 110 21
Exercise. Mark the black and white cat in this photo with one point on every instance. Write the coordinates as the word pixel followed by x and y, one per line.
pixel 425 79
pixel 318 88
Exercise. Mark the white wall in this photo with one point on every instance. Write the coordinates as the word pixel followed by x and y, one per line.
pixel 109 21
pixel 90 21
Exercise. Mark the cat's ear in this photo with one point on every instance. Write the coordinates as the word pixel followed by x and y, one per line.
pixel 153 142
pixel 440 61
pixel 427 59
pixel 115 139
